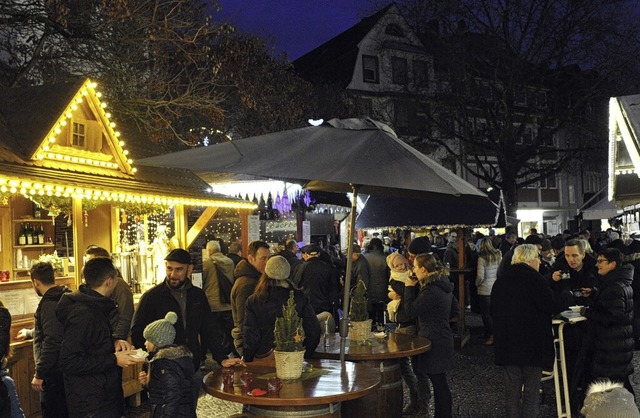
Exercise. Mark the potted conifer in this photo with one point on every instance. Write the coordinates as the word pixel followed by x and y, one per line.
pixel 289 338
pixel 358 314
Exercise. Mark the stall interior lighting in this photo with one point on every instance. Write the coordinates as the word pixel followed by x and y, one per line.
pixel 26 187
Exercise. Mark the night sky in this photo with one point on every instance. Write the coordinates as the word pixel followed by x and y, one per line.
pixel 298 26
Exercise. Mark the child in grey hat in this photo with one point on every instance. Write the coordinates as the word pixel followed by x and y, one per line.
pixel 170 373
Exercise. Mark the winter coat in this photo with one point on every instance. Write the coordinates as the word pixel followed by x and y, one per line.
pixel 48 333
pixel 378 277
pixel 611 324
pixel 521 308
pixel 92 380
pixel 170 383
pixel 246 280
pixel 291 258
pixel 212 266
pixel 586 277
pixel 198 334
pixel 360 271
pixel 260 319
pixel 318 281
pixel 123 297
pixel 486 276
pixel 433 306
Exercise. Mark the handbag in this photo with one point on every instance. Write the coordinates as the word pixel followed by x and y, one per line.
pixel 224 285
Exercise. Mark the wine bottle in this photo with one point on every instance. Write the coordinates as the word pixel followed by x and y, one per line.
pixel 41 239
pixel 22 238
pixel 29 234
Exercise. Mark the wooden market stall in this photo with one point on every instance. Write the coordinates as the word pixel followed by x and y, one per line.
pixel 67 181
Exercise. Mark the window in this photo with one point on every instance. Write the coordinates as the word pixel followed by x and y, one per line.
pixel 399 70
pixel 79 135
pixel 421 73
pixel 394 30
pixel 370 69
pixel 401 115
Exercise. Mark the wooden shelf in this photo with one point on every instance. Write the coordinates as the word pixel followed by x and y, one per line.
pixel 17 221
pixel 34 246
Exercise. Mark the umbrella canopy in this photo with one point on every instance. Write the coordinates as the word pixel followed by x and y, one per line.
pixel 330 157
pixel 393 212
pixel 344 155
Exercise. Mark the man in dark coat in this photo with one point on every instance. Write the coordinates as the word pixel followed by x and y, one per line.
pixel 289 253
pixel 47 338
pixel 177 294
pixel 319 283
pixel 378 280
pixel 610 318
pixel 521 307
pixel 573 269
pixel 359 267
pixel 92 383
pixel 247 274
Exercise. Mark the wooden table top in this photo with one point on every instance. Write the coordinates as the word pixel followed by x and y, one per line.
pixel 335 384
pixel 396 345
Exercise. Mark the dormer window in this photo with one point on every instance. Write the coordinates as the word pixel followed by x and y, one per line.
pixel 394 30
pixel 370 69
pixel 79 135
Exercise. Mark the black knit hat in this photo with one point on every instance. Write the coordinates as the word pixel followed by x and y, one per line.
pixel 419 245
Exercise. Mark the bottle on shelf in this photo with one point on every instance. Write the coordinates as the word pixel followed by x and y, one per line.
pixel 41 239
pixel 29 234
pixel 22 237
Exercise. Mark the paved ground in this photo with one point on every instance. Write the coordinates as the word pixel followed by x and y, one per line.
pixel 475 383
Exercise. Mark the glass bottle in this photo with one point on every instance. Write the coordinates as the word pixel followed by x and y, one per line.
pixel 22 237
pixel 41 239
pixel 29 234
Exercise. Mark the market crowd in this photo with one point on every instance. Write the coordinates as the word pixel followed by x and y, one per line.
pixel 83 339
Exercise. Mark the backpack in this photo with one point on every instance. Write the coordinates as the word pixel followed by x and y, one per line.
pixel 224 285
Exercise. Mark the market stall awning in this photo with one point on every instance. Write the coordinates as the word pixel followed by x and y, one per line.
pixel 624 150
pixel 398 212
pixel 59 140
pixel 603 209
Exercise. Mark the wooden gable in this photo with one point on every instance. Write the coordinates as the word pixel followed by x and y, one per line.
pixel 83 138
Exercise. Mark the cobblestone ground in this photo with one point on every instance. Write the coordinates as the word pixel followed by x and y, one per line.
pixel 476 385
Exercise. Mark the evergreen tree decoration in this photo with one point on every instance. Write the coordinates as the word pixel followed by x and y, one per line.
pixel 288 330
pixel 358 310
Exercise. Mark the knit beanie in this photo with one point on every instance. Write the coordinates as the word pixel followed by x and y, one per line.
pixel 161 333
pixel 419 245
pixel 278 268
pixel 607 399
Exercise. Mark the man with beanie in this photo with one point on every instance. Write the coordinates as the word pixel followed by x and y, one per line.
pixel 419 245
pixel 178 294
pixel 170 371
pixel 359 268
pixel 319 283
pixel 378 281
pixel 92 383
pixel 265 305
pixel 247 273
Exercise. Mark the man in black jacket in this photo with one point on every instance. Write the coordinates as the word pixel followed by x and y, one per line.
pixel 177 294
pixel 47 338
pixel 92 383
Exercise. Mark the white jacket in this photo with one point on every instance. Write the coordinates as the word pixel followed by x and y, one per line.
pixel 486 276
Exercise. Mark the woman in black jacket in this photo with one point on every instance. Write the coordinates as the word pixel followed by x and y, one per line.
pixel 265 305
pixel 611 319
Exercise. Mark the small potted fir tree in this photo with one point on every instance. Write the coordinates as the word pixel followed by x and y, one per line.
pixel 289 336
pixel 358 314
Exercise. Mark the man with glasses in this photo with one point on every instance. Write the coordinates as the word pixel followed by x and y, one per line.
pixel 610 316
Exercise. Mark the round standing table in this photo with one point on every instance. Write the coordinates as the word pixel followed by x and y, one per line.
pixel 317 393
pixel 382 355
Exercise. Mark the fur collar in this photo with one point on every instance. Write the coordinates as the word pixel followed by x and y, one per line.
pixel 172 352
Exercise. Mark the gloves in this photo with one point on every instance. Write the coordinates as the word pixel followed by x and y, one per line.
pixel 583 310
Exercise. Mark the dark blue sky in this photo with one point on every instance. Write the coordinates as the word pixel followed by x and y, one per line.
pixel 298 26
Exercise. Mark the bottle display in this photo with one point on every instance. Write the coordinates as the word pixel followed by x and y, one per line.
pixel 22 237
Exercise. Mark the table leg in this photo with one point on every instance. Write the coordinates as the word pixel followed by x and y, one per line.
pixel 563 367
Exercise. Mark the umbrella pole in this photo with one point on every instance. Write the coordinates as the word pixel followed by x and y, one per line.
pixel 344 322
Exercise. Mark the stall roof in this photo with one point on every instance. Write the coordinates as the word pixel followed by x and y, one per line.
pixel 60 140
pixel 624 150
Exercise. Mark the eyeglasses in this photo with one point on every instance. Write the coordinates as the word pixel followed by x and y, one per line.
pixel 602 260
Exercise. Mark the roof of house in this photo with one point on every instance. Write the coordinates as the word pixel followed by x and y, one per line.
pixel 626 187
pixel 27 115
pixel 334 60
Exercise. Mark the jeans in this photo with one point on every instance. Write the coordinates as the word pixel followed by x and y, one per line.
pixel 521 402
pixel 485 312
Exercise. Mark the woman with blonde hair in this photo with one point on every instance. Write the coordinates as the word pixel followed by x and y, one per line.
pixel 433 304
pixel 488 261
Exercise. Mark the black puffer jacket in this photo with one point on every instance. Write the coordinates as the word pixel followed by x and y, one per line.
pixel 170 389
pixel 91 378
pixel 611 321
pixel 260 319
pixel 246 280
pixel 47 333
